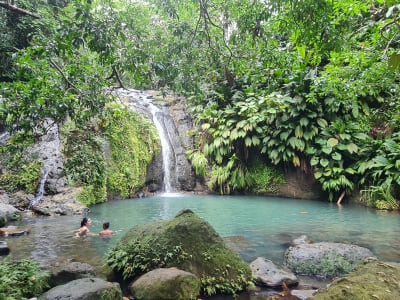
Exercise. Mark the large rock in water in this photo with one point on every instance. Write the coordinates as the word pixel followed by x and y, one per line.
pixel 186 242
pixel 166 284
pixel 373 280
pixel 325 259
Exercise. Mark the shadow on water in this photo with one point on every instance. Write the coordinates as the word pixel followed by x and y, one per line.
pixel 251 226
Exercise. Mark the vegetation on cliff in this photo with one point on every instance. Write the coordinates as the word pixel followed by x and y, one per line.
pixel 310 85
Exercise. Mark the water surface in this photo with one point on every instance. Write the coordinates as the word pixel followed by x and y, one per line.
pixel 253 226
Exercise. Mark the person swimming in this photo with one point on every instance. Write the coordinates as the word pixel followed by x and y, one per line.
pixel 85 224
pixel 106 231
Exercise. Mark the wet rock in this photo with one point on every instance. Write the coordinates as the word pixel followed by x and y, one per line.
pixel 372 280
pixel 48 150
pixel 13 231
pixel 166 284
pixel 20 200
pixel 325 259
pixel 84 289
pixel 267 273
pixel 61 204
pixel 4 250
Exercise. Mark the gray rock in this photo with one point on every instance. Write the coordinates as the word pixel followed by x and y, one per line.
pixel 84 289
pixel 70 271
pixel 8 213
pixel 20 200
pixel 166 284
pixel 48 151
pixel 269 274
pixel 325 259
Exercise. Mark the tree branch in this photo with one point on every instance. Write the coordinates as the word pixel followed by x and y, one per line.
pixel 55 66
pixel 18 10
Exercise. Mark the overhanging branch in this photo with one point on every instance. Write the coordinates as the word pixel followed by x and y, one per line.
pixel 18 10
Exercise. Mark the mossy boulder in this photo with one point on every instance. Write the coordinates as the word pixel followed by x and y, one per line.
pixel 186 242
pixel 166 284
pixel 373 280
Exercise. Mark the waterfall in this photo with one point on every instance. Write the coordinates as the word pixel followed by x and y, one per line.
pixel 40 190
pixel 177 173
pixel 166 149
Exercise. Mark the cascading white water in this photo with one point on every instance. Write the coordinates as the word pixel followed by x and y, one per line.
pixel 40 190
pixel 166 148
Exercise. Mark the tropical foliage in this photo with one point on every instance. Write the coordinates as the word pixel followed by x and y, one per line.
pixel 21 280
pixel 293 84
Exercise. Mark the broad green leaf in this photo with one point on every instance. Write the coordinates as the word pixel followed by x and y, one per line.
pixel 336 156
pixel 247 141
pixel 317 174
pixel 332 142
pixel 298 132
pixel 322 123
pixel 205 126
pixel 327 150
pixel 314 161
pixel 352 148
pixel 303 122
pixel 256 141
pixel 324 162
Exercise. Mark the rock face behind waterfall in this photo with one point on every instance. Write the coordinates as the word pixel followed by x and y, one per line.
pixel 48 151
pixel 186 242
pixel 176 123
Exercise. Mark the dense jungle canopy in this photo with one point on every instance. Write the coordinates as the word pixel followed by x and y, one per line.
pixel 271 84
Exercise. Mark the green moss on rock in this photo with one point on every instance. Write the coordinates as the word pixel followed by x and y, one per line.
pixel 186 242
pixel 373 280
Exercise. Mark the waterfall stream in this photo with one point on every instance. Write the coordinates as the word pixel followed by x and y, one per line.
pixel 166 149
pixel 143 103
pixel 40 190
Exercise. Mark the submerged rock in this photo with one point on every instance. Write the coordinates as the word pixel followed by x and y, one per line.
pixel 166 284
pixel 186 242
pixel 373 280
pixel 325 259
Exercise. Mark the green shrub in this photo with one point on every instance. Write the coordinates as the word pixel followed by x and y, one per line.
pixel 265 179
pixel 85 163
pixel 21 280
pixel 26 178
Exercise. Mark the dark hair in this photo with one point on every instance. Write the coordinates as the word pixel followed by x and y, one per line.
pixel 84 221
pixel 106 225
